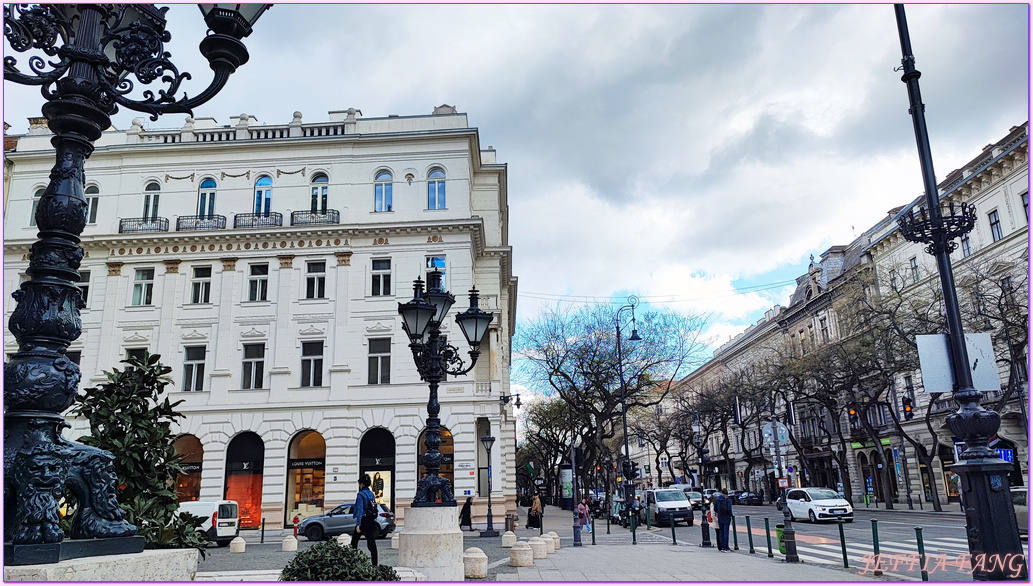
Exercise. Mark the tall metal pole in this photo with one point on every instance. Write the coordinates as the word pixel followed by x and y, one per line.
pixel 788 533
pixel 628 492
pixel 989 513
pixel 573 484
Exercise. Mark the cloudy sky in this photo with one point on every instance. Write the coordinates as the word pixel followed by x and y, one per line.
pixel 694 155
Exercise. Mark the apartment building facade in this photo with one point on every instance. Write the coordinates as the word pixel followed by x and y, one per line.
pixel 265 263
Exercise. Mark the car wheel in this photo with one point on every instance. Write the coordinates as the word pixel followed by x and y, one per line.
pixel 850 520
pixel 314 533
pixel 812 517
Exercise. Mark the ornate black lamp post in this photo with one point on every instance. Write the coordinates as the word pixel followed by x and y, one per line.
pixel 629 492
pixel 989 513
pixel 435 358
pixel 91 50
pixel 487 441
pixel 702 458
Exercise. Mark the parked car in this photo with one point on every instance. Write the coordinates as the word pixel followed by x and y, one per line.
pixel 746 497
pixel 818 504
pixel 340 521
pixel 221 524
pixel 668 506
pixel 708 495
pixel 695 499
pixel 1019 498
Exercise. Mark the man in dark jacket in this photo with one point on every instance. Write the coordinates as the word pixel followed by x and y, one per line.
pixel 723 508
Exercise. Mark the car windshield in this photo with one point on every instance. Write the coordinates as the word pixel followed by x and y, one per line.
pixel 823 494
pixel 670 495
pixel 694 495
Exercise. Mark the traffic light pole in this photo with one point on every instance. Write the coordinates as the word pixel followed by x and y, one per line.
pixel 788 533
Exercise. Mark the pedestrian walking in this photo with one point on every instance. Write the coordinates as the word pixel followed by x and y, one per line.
pixel 464 515
pixel 534 516
pixel 723 508
pixel 365 514
pixel 583 511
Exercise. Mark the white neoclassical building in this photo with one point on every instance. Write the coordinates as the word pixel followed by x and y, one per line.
pixel 265 263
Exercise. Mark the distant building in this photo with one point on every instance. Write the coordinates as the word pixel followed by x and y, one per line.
pixel 265 263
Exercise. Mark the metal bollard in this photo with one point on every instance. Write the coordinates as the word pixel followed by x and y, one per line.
pixel 735 534
pixel 842 543
pixel 541 522
pixel 749 534
pixel 593 531
pixel 767 531
pixel 921 553
pixel 674 538
pixel 875 545
pixel 261 536
pixel 648 520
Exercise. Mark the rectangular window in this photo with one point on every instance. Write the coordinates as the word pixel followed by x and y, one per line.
pixel 995 225
pixel 193 368
pixel 84 285
pixel 91 209
pixel 436 263
pixel 201 285
pixel 966 246
pixel 258 283
pixel 143 286
pixel 1025 204
pixel 254 365
pixel 74 355
pixel 380 361
pixel 315 282
pixel 311 364
pixel 893 279
pixel 381 277
pixel 136 353
pixel 824 325
pixel 914 268
pixel 909 385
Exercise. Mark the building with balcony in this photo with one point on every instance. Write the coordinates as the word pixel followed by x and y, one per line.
pixel 265 263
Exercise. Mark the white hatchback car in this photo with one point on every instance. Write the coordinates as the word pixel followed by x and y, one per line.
pixel 818 504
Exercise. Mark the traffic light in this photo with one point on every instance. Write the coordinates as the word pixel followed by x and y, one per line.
pixel 626 469
pixel 635 472
pixel 851 409
pixel 909 408
pixel 703 455
pixel 647 468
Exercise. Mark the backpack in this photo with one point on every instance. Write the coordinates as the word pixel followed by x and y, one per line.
pixel 369 516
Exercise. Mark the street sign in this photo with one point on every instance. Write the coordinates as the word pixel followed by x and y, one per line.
pixel 783 483
pixel 539 481
pixel 790 469
pixel 769 431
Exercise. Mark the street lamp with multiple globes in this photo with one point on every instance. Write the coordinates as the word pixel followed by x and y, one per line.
pixel 487 441
pixel 435 358
pixel 629 492
pixel 90 52
pixel 989 512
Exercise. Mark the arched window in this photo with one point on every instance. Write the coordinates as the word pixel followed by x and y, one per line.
pixel 92 193
pixel 35 204
pixel 263 196
pixel 206 199
pixel 436 190
pixel 319 185
pixel 150 201
pixel 382 192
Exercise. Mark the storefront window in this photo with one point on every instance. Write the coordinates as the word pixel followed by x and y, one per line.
pixel 306 464
pixel 188 484
pixel 377 458
pixel 245 458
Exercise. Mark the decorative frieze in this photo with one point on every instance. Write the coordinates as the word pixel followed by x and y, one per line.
pixel 114 269
pixel 172 266
pixel 344 259
pixel 229 264
pixel 286 262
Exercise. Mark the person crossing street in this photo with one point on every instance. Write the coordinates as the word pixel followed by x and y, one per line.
pixel 723 509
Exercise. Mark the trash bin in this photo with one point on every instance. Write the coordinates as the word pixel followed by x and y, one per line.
pixel 780 533
pixel 511 522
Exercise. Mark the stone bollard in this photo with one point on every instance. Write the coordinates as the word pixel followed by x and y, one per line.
pixel 344 540
pixel 538 548
pixel 509 539
pixel 521 556
pixel 394 541
pixel 475 564
pixel 555 537
pixel 550 544
pixel 237 545
pixel 290 543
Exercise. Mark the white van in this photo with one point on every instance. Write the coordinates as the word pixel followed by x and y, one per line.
pixel 221 524
pixel 668 506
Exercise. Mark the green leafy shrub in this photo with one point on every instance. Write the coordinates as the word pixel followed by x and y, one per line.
pixel 129 419
pixel 327 561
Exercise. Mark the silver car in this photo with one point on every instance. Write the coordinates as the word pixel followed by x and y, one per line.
pixel 340 521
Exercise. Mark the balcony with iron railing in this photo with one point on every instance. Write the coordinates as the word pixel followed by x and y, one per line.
pixel 130 225
pixel 210 222
pixel 315 218
pixel 269 220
